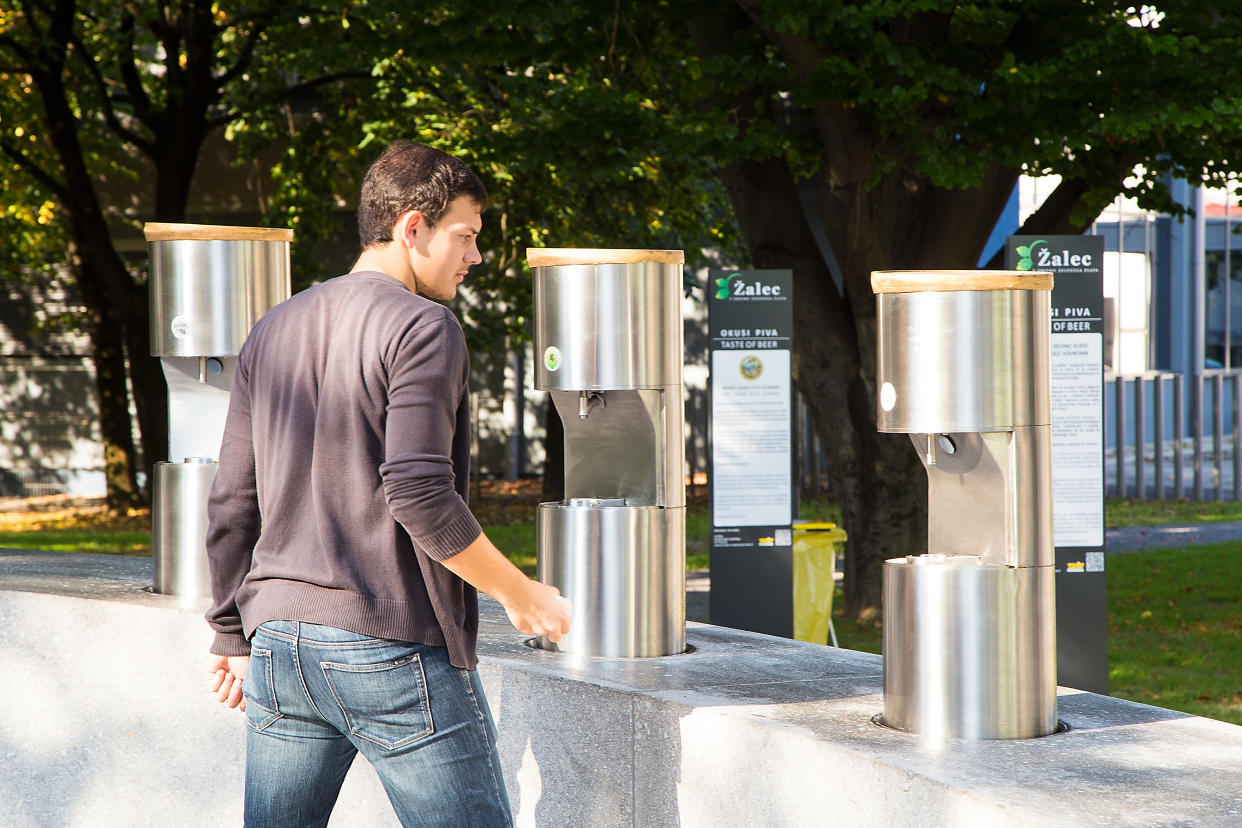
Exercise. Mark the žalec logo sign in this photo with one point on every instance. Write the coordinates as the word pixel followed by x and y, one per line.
pixel 1038 255
pixel 737 286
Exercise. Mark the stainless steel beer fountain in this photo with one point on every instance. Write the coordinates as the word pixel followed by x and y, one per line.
pixel 608 342
pixel 969 627
pixel 208 286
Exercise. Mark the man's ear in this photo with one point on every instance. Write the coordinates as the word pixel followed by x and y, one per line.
pixel 408 227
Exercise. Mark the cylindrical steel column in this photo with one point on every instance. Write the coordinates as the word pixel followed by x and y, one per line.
pixel 608 344
pixel 208 286
pixel 969 627
pixel 179 525
pixel 623 568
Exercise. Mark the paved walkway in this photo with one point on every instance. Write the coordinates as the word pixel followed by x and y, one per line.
pixel 1138 538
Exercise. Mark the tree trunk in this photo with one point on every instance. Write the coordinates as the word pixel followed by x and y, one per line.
pixel 132 330
pixel 114 422
pixel 150 391
pixel 108 355
pixel 110 290
pixel 878 477
pixel 103 281
pixel 872 220
pixel 902 222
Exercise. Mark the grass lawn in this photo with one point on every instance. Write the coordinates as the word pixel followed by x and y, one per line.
pixel 1127 512
pixel 1175 624
pixel 80 540
pixel 510 522
pixel 78 529
pixel 1175 629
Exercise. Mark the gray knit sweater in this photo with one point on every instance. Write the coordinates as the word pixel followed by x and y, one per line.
pixel 348 443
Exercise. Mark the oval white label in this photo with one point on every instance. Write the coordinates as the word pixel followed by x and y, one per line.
pixel 888 396
pixel 180 326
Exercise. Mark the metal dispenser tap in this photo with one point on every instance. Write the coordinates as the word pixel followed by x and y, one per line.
pixel 969 627
pixel 208 286
pixel 608 337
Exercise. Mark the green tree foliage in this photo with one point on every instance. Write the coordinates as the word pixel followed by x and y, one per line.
pixel 571 148
pixel 97 93
pixel 899 128
pixel 550 104
pixel 848 137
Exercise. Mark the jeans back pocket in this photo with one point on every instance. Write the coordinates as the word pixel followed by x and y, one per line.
pixel 259 688
pixel 384 703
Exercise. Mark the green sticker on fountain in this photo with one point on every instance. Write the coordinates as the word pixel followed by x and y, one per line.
pixel 552 358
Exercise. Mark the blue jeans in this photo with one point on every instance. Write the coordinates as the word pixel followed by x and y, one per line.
pixel 316 696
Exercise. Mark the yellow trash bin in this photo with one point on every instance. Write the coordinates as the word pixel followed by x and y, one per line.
pixel 814 564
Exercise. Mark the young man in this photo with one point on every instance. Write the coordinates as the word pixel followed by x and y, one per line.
pixel 350 619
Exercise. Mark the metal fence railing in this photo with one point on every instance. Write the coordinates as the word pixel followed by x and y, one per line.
pixel 1172 437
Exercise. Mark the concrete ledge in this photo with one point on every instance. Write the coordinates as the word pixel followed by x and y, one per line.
pixel 105 720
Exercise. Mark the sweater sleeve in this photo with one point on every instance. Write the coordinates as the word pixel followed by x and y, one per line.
pixel 233 522
pixel 428 373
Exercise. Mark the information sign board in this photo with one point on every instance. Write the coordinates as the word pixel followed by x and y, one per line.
pixel 1077 368
pixel 750 320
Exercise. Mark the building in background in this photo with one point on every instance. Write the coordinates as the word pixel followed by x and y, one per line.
pixel 1172 303
pixel 49 432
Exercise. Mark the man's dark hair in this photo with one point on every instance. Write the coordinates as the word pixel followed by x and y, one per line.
pixel 410 176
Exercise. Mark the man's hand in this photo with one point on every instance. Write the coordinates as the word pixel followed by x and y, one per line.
pixel 227 673
pixel 534 608
pixel 542 611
